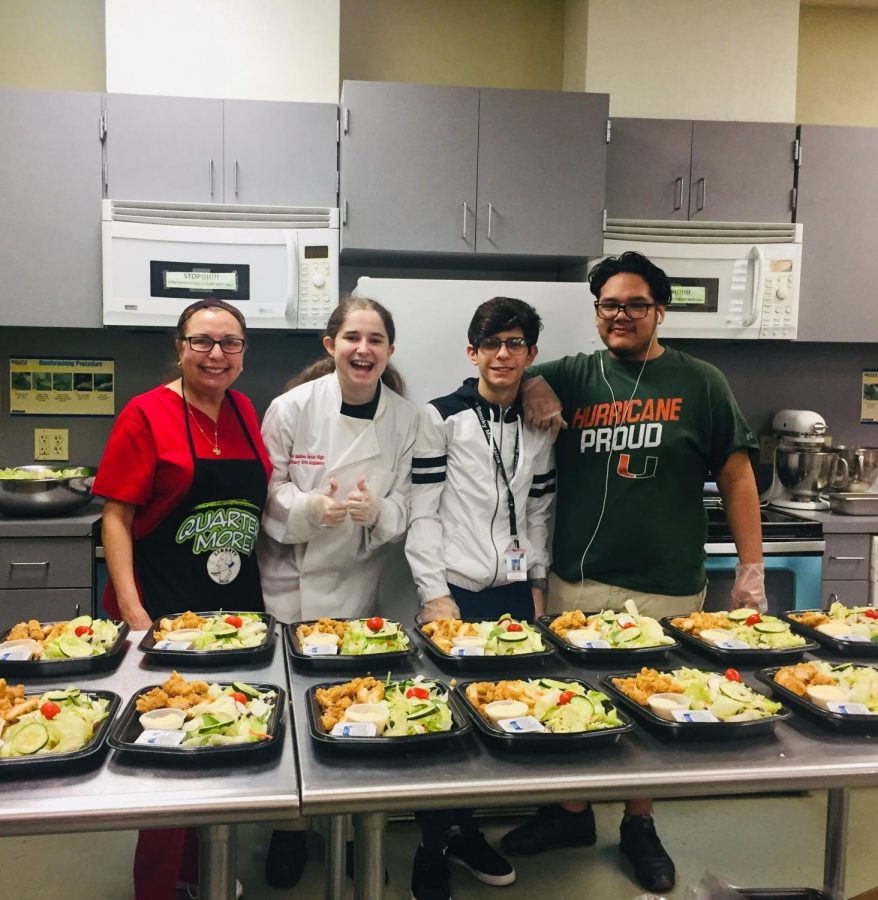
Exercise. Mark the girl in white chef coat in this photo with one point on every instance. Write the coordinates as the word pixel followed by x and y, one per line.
pixel 340 448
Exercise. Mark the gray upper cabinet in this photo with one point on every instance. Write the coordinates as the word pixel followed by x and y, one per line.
pixel 430 169
pixel 709 171
pixel 50 213
pixel 838 196
pixel 167 149
pixel 408 163
pixel 280 153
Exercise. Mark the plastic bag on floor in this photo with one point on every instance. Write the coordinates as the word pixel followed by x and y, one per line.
pixel 713 887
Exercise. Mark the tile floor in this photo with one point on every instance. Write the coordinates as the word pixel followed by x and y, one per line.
pixel 760 842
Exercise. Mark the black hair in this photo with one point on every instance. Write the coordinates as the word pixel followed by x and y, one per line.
pixel 633 263
pixel 198 305
pixel 504 314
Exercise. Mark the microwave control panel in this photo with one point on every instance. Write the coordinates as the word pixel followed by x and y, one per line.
pixel 318 285
pixel 780 299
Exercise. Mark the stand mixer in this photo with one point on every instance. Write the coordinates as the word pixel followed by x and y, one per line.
pixel 803 466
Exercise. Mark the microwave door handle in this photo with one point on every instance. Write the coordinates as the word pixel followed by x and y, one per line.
pixel 756 295
pixel 291 307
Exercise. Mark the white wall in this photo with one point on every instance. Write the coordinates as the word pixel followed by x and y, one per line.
pixel 247 49
pixel 698 59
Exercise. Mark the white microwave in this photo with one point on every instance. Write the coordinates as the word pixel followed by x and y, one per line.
pixel 278 265
pixel 728 280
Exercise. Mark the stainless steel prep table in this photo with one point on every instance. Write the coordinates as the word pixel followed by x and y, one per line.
pixel 121 794
pixel 471 772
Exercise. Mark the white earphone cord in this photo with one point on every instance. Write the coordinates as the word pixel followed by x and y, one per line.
pixel 609 462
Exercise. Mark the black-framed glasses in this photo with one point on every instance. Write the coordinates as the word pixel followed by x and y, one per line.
pixel 636 309
pixel 201 343
pixel 514 345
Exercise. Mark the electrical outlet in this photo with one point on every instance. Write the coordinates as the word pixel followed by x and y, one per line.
pixel 767 446
pixel 51 443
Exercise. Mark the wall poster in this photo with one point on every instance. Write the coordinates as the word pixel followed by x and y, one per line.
pixel 61 387
pixel 869 397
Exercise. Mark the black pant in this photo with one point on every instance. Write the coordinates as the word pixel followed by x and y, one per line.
pixel 436 823
pixel 514 598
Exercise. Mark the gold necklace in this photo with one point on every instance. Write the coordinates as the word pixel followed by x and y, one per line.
pixel 215 441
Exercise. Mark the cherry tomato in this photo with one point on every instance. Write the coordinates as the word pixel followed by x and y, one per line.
pixel 566 697
pixel 234 621
pixel 753 620
pixel 871 613
pixel 733 675
pixel 514 626
pixel 418 693
pixel 241 698
pixel 50 710
pixel 628 625
pixel 80 630
pixel 376 623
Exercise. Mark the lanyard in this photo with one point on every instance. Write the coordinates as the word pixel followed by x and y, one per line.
pixel 498 459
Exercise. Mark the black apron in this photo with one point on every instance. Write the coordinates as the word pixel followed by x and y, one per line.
pixel 202 556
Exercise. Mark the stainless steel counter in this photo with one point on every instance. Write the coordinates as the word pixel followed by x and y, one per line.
pixel 834 523
pixel 77 524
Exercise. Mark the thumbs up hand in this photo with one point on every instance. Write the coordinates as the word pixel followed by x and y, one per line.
pixel 362 506
pixel 323 508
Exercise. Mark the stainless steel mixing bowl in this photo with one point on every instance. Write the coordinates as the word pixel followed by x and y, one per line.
pixel 806 473
pixel 44 496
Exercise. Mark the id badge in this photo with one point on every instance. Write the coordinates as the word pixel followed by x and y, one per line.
pixel 516 564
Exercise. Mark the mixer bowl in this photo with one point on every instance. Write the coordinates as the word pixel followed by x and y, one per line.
pixel 805 473
pixel 44 496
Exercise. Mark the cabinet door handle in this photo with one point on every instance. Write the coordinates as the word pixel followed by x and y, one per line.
pixel 29 565
pixel 210 176
pixel 236 178
pixel 848 558
pixel 678 202
pixel 702 184
pixel 465 217
pixel 490 219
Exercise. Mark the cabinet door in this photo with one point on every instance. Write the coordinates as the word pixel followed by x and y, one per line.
pixel 280 154
pixel 50 212
pixel 45 606
pixel 408 167
pixel 164 148
pixel 742 172
pixel 648 169
pixel 542 172
pixel 838 196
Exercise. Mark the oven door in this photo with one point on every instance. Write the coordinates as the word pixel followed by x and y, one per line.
pixel 793 577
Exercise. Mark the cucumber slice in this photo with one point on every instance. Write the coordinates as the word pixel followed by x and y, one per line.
pixel 72 646
pixel 512 637
pixel 583 705
pixel 245 688
pixel 608 615
pixel 552 684
pixel 626 635
pixel 224 630
pixel 770 627
pixel 421 712
pixel 73 624
pixel 740 615
pixel 734 691
pixel 60 696
pixel 30 739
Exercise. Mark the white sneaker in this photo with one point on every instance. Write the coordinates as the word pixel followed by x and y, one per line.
pixel 191 889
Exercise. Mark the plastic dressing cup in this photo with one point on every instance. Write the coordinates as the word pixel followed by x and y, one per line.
pixel 663 705
pixel 505 709
pixel 715 635
pixel 469 640
pixel 320 639
pixel 376 713
pixel 20 644
pixel 183 635
pixel 823 694
pixel 163 719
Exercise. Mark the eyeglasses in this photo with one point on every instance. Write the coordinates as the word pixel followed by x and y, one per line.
pixel 609 309
pixel 201 343
pixel 514 345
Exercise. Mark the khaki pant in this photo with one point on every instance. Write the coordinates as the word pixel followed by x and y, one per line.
pixel 593 596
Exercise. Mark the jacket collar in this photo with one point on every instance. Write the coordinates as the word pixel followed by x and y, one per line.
pixel 469 393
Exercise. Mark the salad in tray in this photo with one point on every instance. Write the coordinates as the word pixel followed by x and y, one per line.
pixel 352 637
pixel 504 637
pixel 542 704
pixel 366 707
pixel 740 629
pixel 79 638
pixel 197 714
pixel 610 630
pixel 831 686
pixel 53 722
pixel 844 623
pixel 225 631
pixel 686 695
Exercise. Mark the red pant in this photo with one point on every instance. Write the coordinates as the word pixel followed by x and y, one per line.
pixel 164 857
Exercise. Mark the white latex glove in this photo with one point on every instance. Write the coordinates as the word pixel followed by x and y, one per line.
pixel 542 408
pixel 749 587
pixel 322 507
pixel 364 509
pixel 438 608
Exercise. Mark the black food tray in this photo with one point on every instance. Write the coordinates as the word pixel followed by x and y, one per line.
pixel 127 729
pixel 749 657
pixel 480 663
pixel 692 731
pixel 346 662
pixel 859 649
pixel 23 765
pixel 543 740
pixel 865 724
pixel 50 668
pixel 586 654
pixel 209 658
pixel 389 746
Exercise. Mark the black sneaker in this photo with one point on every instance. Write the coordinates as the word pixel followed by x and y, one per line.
pixel 551 827
pixel 287 855
pixel 473 852
pixel 430 876
pixel 653 868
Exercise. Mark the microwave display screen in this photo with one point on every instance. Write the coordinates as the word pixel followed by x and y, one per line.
pixel 317 252
pixel 694 294
pixel 194 281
